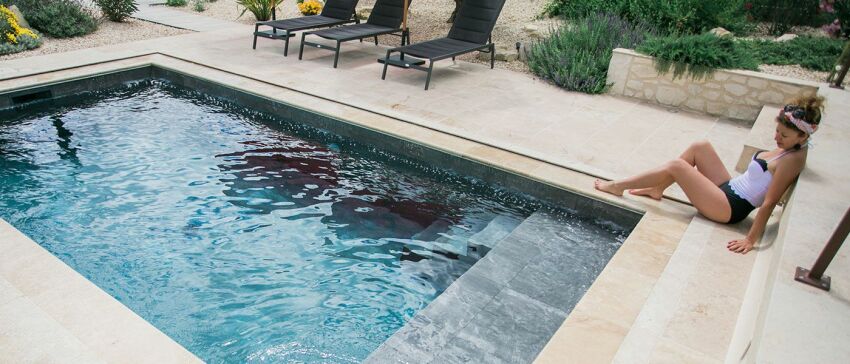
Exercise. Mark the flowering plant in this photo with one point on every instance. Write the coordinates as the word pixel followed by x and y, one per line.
pixel 310 7
pixel 13 37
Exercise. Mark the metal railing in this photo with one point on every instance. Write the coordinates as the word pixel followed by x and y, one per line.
pixel 815 277
pixel 837 79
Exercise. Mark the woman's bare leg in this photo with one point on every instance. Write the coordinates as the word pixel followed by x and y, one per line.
pixel 703 193
pixel 700 155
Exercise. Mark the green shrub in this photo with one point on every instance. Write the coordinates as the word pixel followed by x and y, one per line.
pixel 175 2
pixel 783 14
pixel 576 56
pixel 199 5
pixel 579 9
pixel 815 53
pixel 117 10
pixel 689 16
pixel 58 18
pixel 262 9
pixel 697 55
pixel 671 16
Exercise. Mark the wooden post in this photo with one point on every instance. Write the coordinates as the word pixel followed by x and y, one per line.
pixel 845 64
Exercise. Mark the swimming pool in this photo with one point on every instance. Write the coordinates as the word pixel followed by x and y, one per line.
pixel 243 236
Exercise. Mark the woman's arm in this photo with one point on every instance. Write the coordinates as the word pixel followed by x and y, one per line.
pixel 782 178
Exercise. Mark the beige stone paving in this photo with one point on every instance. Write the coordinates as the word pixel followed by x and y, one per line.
pixel 598 135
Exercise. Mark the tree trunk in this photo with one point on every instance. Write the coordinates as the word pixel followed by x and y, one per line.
pixel 454 12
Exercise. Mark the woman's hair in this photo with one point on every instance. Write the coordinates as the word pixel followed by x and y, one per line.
pixel 812 107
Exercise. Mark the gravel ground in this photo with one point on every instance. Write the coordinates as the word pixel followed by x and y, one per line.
pixel 427 21
pixel 107 33
pixel 798 72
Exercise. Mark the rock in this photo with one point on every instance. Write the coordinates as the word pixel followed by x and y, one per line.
pixel 503 53
pixel 720 32
pixel 785 37
pixel 19 17
pixel 530 28
pixel 364 12
pixel 523 52
pixel 533 31
pixel 670 96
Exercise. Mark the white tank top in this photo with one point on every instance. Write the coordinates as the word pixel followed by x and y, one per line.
pixel 752 185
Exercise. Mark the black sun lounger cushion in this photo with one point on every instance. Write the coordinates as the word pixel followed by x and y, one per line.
pixel 340 9
pixel 470 32
pixel 386 18
pixel 475 20
pixel 439 47
pixel 354 31
pixel 334 12
pixel 388 13
pixel 304 22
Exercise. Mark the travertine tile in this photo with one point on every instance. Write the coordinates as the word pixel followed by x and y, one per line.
pixel 37 338
pixel 583 339
pixel 668 352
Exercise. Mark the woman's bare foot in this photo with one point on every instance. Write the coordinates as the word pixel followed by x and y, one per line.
pixel 651 192
pixel 608 186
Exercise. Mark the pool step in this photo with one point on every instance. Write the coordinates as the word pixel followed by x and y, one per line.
pixel 495 230
pixel 506 307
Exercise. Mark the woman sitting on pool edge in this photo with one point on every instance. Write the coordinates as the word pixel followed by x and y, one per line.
pixel 718 196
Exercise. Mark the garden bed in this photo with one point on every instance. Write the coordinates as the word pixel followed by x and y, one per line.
pixel 732 94
pixel 108 33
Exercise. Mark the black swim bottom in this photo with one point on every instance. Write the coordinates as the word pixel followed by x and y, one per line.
pixel 741 208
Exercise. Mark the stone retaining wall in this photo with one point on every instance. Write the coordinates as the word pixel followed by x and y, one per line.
pixel 733 94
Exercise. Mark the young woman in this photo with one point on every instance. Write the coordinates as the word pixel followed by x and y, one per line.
pixel 718 196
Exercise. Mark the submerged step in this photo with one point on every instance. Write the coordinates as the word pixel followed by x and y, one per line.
pixel 506 307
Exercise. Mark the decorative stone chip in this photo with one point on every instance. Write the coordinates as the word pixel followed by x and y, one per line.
pixel 785 37
pixel 720 32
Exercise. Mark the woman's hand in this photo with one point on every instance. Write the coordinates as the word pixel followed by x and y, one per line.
pixel 740 245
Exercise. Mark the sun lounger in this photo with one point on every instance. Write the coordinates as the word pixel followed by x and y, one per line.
pixel 335 12
pixel 386 18
pixel 470 32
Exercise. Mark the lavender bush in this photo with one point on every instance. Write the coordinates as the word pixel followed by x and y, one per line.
pixel 576 56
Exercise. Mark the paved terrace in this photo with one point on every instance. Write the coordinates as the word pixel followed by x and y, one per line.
pixel 672 293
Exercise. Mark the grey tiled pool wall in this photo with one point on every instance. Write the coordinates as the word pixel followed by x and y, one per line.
pixel 504 308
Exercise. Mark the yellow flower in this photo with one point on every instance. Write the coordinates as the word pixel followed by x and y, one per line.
pixel 310 7
pixel 12 34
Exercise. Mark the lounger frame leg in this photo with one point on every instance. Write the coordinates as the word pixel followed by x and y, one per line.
pixel 336 54
pixel 256 29
pixel 286 43
pixel 428 79
pixel 386 63
pixel 492 55
pixel 376 40
pixel 301 50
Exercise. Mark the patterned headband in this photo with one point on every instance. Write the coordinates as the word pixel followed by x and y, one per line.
pixel 795 115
